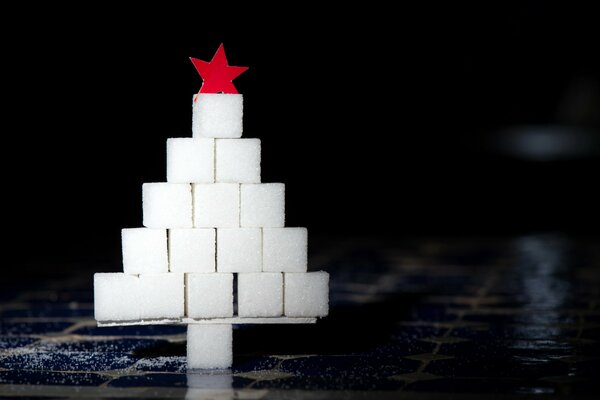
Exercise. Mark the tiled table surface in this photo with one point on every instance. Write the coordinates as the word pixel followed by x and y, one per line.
pixel 409 318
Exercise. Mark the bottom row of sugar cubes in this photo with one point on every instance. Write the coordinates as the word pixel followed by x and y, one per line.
pixel 123 297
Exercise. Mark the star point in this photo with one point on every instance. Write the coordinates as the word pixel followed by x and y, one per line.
pixel 216 74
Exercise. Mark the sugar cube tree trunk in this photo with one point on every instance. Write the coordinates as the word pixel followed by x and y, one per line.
pixel 211 220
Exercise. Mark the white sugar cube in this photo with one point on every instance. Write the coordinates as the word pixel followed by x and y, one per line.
pixel 144 250
pixel 217 115
pixel 306 294
pixel 161 296
pixel 260 294
pixel 237 160
pixel 209 346
pixel 239 250
pixel 285 249
pixel 167 205
pixel 192 250
pixel 116 297
pixel 217 205
pixel 190 160
pixel 262 205
pixel 209 295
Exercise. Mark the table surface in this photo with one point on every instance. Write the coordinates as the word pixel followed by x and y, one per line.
pixel 410 318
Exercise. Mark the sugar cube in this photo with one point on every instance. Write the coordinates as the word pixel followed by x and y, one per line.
pixel 190 160
pixel 161 296
pixel 167 205
pixel 237 160
pixel 216 205
pixel 209 346
pixel 116 297
pixel 239 250
pixel 262 205
pixel 306 294
pixel 209 295
pixel 260 294
pixel 217 115
pixel 285 249
pixel 144 250
pixel 192 250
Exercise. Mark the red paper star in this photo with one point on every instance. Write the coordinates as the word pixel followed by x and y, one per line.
pixel 217 74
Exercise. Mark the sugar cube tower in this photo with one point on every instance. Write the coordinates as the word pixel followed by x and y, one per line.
pixel 212 220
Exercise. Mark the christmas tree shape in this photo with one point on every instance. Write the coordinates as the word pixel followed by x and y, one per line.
pixel 212 230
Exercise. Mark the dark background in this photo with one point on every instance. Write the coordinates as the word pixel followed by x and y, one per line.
pixel 380 122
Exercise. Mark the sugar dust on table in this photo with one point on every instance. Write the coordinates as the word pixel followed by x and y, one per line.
pixel 211 230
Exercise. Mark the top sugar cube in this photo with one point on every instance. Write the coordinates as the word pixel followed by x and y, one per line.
pixel 217 115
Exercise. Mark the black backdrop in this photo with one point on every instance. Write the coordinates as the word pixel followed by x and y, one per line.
pixel 379 122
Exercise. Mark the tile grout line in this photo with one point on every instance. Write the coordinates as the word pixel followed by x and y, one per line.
pixel 425 363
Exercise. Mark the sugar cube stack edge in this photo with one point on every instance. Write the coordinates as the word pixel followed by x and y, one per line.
pixel 211 220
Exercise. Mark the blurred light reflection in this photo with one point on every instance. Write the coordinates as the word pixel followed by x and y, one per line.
pixel 547 143
pixel 542 272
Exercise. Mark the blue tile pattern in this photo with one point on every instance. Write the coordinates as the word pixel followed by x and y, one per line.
pixel 515 316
